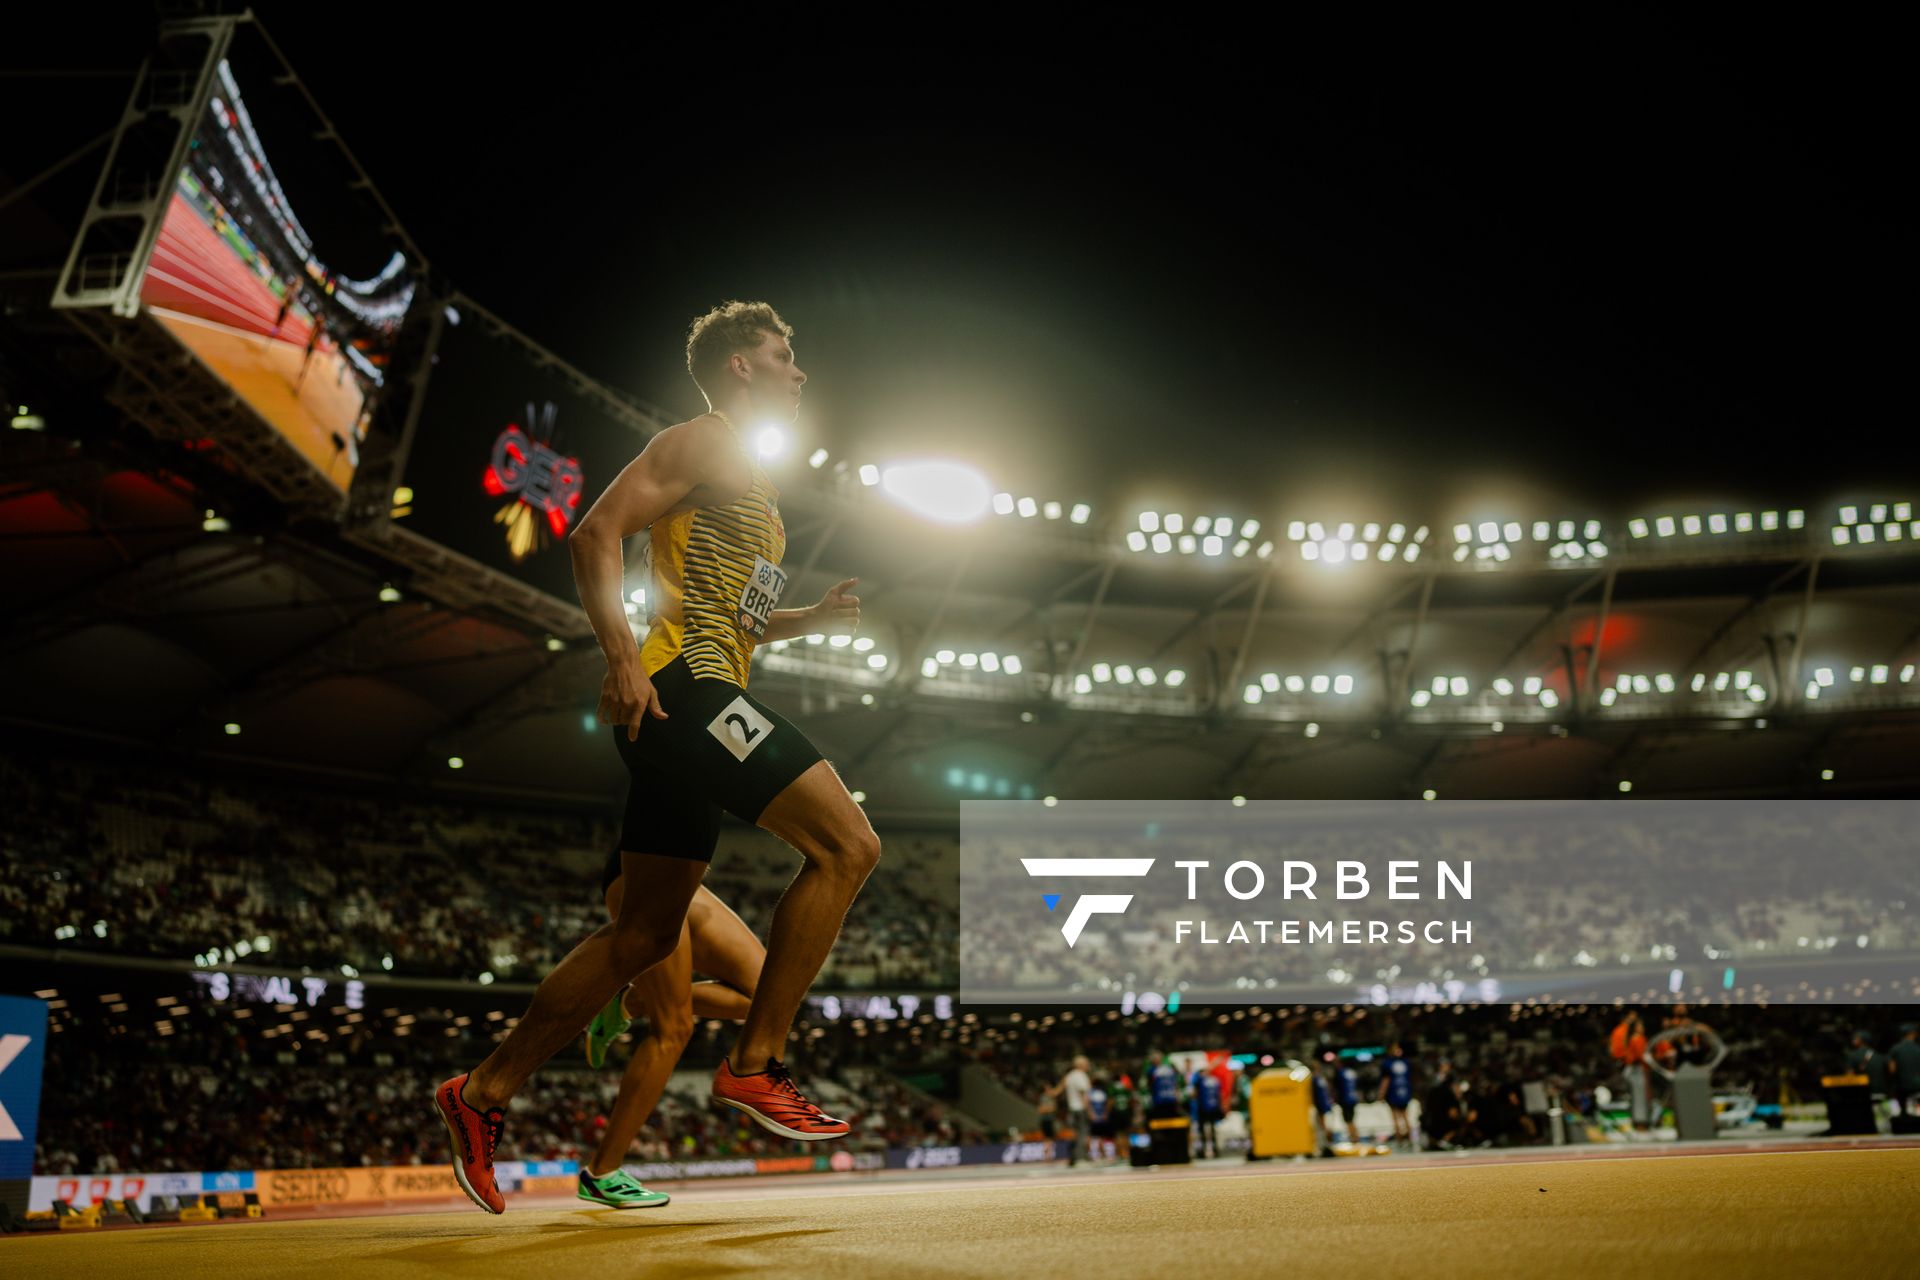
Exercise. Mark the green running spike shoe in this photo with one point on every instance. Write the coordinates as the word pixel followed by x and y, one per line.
pixel 607 1026
pixel 619 1190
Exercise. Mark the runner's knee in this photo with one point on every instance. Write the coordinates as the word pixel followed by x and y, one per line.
pixel 674 1025
pixel 637 948
pixel 853 854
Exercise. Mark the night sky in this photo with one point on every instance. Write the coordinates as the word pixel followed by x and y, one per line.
pixel 1310 276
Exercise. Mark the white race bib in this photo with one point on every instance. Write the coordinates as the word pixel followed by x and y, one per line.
pixel 754 609
pixel 740 728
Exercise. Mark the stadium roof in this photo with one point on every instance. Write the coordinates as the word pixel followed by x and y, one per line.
pixel 136 622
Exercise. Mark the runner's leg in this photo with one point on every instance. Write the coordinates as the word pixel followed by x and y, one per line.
pixel 817 816
pixel 646 932
pixel 663 996
pixel 726 950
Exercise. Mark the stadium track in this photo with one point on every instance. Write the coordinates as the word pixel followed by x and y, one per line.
pixel 1792 1214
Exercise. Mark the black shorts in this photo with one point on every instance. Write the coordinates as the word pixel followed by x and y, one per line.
pixel 1346 1112
pixel 719 748
pixel 1101 1128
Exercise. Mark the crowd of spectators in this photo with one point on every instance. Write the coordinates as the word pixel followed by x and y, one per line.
pixel 158 863
pixel 218 1091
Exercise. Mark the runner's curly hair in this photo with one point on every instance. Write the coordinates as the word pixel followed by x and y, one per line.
pixel 729 328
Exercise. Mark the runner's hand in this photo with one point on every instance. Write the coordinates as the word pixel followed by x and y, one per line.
pixel 627 696
pixel 838 613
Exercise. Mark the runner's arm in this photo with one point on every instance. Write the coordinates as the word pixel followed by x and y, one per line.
pixel 837 613
pixel 672 465
pixel 789 624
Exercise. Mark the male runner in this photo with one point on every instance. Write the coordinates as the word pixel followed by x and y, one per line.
pixel 715 941
pixel 695 742
pixel 1396 1090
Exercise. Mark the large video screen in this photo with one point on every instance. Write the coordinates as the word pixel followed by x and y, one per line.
pixel 240 281
pixel 507 456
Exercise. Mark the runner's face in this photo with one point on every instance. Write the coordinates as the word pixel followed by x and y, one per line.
pixel 774 380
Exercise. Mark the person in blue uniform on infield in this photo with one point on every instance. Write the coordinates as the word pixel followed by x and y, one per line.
pixel 1208 1111
pixel 1396 1090
pixel 1346 1091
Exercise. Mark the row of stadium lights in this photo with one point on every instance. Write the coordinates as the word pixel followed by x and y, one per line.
pixel 1741 682
pixel 1122 674
pixel 1879 673
pixel 945 661
pixel 1491 540
pixel 1207 536
pixel 862 645
pixel 1461 687
pixel 1495 540
pixel 1164 534
pixel 1716 523
pixel 1888 521
pixel 1487 540
pixel 1339 685
pixel 1443 686
pixel 1348 541
pixel 1005 504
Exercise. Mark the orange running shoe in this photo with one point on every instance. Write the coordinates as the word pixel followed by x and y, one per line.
pixel 772 1098
pixel 474 1134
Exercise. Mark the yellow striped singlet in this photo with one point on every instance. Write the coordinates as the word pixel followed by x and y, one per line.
pixel 716 580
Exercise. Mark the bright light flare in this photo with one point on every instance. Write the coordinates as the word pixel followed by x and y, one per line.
pixel 944 491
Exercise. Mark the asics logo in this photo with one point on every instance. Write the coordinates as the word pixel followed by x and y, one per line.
pixel 1092 904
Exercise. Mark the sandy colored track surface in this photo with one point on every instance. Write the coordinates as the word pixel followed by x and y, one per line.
pixel 1803 1214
